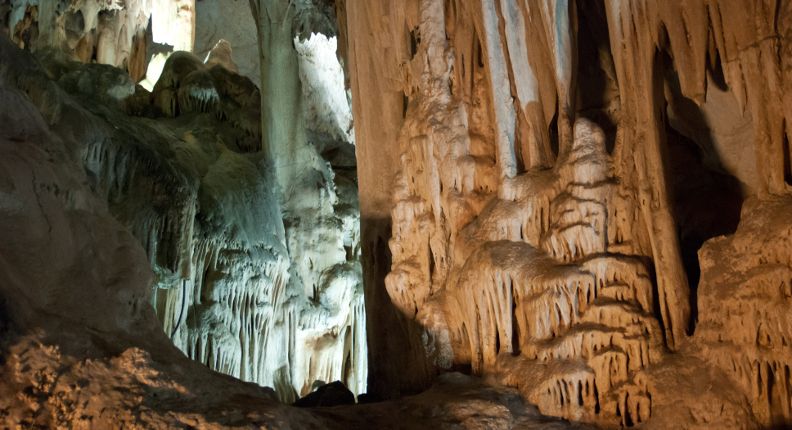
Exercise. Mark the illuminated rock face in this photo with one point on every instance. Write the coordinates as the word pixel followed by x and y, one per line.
pixel 282 307
pixel 561 284
pixel 554 169
pixel 107 32
pixel 744 298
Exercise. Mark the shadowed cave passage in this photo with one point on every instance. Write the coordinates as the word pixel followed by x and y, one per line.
pixel 597 89
pixel 787 161
pixel 706 198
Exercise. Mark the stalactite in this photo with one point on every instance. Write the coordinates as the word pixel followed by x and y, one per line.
pixel 202 207
pixel 571 299
pixel 502 248
pixel 112 33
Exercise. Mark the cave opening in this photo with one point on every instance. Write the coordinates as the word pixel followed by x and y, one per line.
pixel 706 197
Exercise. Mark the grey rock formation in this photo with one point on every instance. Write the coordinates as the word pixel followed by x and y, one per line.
pixel 182 169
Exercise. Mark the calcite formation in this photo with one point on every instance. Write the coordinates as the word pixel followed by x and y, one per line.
pixel 92 198
pixel 744 320
pixel 559 165
pixel 585 205
pixel 564 285
pixel 118 33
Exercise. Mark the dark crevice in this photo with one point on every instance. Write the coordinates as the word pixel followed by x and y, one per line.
pixel 431 264
pixel 464 368
pixel 715 69
pixel 415 40
pixel 520 153
pixel 706 200
pixel 787 154
pixel 656 310
pixel 515 330
pixel 479 54
pixel 628 421
pixel 597 400
pixel 553 133
pixel 597 90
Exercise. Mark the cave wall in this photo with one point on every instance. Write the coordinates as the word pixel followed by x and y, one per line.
pixel 211 25
pixel 251 283
pixel 81 344
pixel 121 34
pixel 548 183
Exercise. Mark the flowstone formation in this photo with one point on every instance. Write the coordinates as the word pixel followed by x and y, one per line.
pixel 744 300
pixel 235 297
pixel 563 288
pixel 555 168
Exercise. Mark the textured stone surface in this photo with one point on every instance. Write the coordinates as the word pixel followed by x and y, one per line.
pixel 585 204
pixel 560 165
pixel 181 169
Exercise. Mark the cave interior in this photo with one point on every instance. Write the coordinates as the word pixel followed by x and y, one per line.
pixel 395 214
